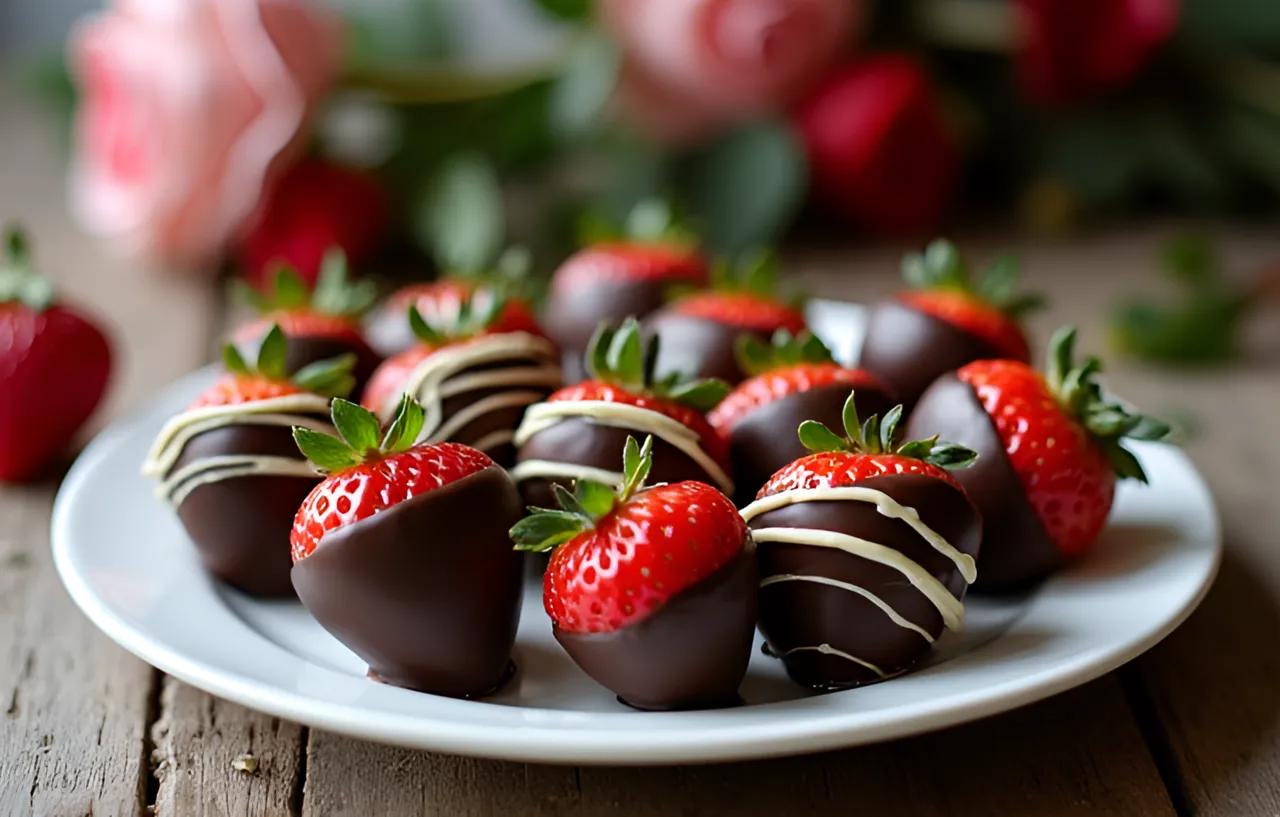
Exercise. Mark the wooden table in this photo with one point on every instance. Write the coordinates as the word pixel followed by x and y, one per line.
pixel 1190 728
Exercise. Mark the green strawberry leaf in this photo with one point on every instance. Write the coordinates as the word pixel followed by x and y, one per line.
pixel 18 280
pixel 357 425
pixel 595 498
pixel 545 529
pixel 272 354
pixel 818 438
pixel 233 361
pixel 330 377
pixel 941 266
pixel 326 452
pixel 406 425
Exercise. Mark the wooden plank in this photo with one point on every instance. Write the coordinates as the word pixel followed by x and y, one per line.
pixel 76 707
pixel 217 759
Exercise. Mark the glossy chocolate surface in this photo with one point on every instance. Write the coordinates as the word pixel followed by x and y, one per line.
pixel 580 442
pixel 427 592
pixel 691 653
pixel 240 525
pixel 807 614
pixel 910 349
pixel 695 346
pixel 765 440
pixel 571 316
pixel 1016 548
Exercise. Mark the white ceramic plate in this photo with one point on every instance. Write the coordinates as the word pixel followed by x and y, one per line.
pixel 127 563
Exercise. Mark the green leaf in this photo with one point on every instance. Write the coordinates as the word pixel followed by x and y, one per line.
pixel 700 395
pixel 950 456
pixel 273 353
pixel 869 434
pixel 288 291
pixel 336 293
pixel 580 94
pixel 850 420
pixel 1061 353
pixel 460 217
pixel 568 501
pixel 232 360
pixel 422 330
pixel 402 434
pixel 745 189
pixel 330 377
pixel 595 498
pixel 1123 462
pixel 889 427
pixel 545 530
pixel 626 355
pixel 816 437
pixel 328 453
pixel 637 461
pixel 597 356
pixel 566 9
pixel 356 424
pixel 943 262
pixel 1150 429
pixel 918 449
pixel 999 283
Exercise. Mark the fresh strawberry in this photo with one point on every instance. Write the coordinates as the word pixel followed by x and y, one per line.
pixel 318 324
pixel 371 471
pixel 947 319
pixel 700 330
pixel 620 273
pixel 268 377
pixel 625 554
pixel 439 302
pixel 794 379
pixel 1063 439
pixel 54 367
pixel 866 548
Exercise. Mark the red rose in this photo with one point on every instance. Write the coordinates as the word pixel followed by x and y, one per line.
pixel 312 207
pixel 1075 49
pixel 878 150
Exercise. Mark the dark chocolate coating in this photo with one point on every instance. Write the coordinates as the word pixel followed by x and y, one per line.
pixel 1016 548
pixel 910 349
pixel 578 441
pixel 697 347
pixel 801 613
pixel 240 525
pixel 302 349
pixel 428 591
pixel 571 316
pixel 765 440
pixel 691 653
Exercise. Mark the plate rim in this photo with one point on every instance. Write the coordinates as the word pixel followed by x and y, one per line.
pixel 591 747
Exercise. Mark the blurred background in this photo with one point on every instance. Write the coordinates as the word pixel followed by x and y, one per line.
pixel 427 135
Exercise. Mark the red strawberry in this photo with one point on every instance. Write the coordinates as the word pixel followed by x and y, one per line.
pixel 624 556
pixel 622 368
pixel 402 552
pixel 946 320
pixel 699 331
pixel 1062 441
pixel 794 380
pixel 866 548
pixel 54 367
pixel 620 274
pixel 319 324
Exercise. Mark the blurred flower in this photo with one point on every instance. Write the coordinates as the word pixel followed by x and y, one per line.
pixel 689 65
pixel 1074 49
pixel 187 109
pixel 879 152
pixel 310 208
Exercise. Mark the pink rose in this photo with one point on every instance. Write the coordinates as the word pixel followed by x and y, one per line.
pixel 188 107
pixel 693 64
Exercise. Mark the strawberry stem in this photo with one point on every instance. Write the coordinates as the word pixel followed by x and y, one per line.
pixel 879 436
pixel 941 266
pixel 755 356
pixel 329 378
pixel 18 279
pixel 360 438
pixel 620 356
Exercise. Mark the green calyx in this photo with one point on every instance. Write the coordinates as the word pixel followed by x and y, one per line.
pixel 589 502
pixel 651 221
pixel 876 436
pixel 620 356
pixel 360 438
pixel 334 294
pixel 940 266
pixel 329 378
pixel 755 356
pixel 755 273
pixel 468 321
pixel 509 277
pixel 19 282
pixel 1108 423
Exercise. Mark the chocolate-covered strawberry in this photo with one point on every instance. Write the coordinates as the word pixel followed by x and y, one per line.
pixel 619 274
pixel 793 379
pixel 473 378
pixel 947 319
pixel 865 548
pixel 1050 450
pixel 700 331
pixel 229 467
pixel 402 553
pixel 439 302
pixel 577 432
pixel 652 591
pixel 317 324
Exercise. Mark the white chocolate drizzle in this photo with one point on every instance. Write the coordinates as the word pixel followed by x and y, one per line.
pixel 178 486
pixel 550 469
pixel 625 416
pixel 437 377
pixel 827 649
pixel 852 588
